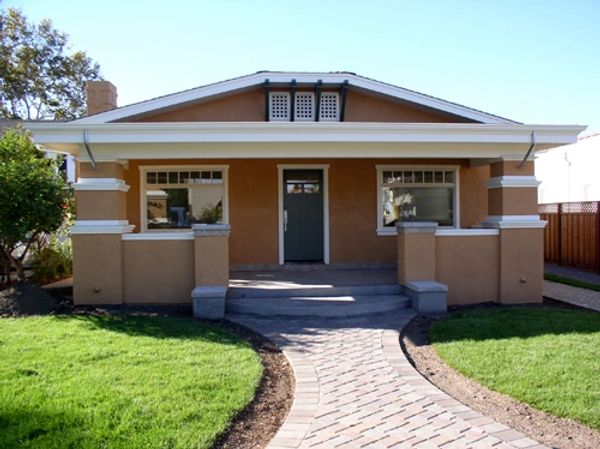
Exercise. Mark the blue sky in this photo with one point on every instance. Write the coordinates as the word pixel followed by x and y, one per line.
pixel 528 60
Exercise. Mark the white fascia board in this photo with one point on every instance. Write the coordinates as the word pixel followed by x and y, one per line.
pixel 256 79
pixel 514 222
pixel 249 132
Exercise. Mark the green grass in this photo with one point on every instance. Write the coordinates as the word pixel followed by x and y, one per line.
pixel 546 357
pixel 572 282
pixel 120 382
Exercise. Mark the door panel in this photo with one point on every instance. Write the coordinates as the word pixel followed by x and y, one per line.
pixel 303 215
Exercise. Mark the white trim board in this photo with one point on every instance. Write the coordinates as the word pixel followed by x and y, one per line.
pixel 257 79
pixel 157 236
pixel 280 169
pixel 100 184
pixel 500 182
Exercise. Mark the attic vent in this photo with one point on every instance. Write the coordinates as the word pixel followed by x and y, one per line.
pixel 279 108
pixel 305 107
pixel 329 107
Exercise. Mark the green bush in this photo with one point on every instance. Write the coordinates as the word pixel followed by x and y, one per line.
pixel 53 262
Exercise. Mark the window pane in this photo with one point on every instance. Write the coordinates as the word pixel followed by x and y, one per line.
pixel 161 177
pixel 311 188
pixel 151 178
pixel 419 177
pixel 388 177
pixel 184 177
pixel 449 177
pixel 195 176
pixel 217 175
pixel 167 209
pixel 173 177
pixel 428 177
pixel 439 177
pixel 418 204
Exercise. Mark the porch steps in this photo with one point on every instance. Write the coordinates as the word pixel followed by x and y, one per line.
pixel 320 301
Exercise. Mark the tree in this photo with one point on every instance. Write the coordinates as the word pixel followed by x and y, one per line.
pixel 38 79
pixel 33 197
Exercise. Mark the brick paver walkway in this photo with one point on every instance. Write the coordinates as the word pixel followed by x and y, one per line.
pixel 582 297
pixel 356 389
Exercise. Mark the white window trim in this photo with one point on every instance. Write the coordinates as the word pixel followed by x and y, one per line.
pixel 383 231
pixel 149 168
pixel 325 168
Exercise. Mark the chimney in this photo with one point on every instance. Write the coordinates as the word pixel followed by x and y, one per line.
pixel 101 96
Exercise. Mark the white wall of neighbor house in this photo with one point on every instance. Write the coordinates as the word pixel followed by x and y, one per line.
pixel 570 172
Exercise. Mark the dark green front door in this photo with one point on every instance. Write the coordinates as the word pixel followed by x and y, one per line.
pixel 303 215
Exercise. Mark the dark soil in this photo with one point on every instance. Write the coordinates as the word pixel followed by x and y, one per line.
pixel 25 298
pixel 258 423
pixel 253 427
pixel 547 429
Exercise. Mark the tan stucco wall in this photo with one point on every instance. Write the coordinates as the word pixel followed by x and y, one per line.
pixel 241 107
pixel 513 201
pixel 97 269
pixel 416 256
pixel 521 265
pixel 101 205
pixel 511 168
pixel 473 195
pixel 249 106
pixel 469 266
pixel 159 271
pixel 364 107
pixel 253 205
pixel 211 260
pixel 103 170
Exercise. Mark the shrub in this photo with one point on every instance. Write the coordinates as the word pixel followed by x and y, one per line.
pixel 54 261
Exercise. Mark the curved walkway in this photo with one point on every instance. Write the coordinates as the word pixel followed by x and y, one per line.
pixel 356 389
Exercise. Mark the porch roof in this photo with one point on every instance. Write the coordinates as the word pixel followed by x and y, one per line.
pixel 300 140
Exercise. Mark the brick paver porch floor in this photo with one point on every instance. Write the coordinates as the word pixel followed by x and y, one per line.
pixel 356 389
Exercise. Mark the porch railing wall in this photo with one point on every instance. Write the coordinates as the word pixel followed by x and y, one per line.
pixel 572 236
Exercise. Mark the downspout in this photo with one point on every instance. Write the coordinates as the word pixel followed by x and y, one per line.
pixel 529 150
pixel 89 151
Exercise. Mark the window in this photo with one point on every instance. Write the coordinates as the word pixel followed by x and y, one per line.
pixel 305 107
pixel 279 107
pixel 416 194
pixel 176 198
pixel 329 111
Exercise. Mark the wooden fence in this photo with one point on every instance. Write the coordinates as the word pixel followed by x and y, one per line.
pixel 572 237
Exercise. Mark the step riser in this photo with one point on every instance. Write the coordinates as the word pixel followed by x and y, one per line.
pixel 322 308
pixel 241 292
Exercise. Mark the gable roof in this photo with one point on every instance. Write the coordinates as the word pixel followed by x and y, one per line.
pixel 257 79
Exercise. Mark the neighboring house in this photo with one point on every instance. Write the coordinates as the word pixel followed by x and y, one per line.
pixel 327 168
pixel 570 173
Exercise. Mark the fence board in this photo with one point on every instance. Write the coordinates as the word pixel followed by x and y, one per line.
pixel 572 236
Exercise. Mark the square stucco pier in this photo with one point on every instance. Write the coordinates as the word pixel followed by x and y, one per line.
pixel 428 297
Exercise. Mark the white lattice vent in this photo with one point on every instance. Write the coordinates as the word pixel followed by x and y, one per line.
pixel 305 106
pixel 329 107
pixel 279 108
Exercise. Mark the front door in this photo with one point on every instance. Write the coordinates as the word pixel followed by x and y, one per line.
pixel 303 215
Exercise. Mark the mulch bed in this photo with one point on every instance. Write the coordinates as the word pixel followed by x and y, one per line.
pixel 253 427
pixel 543 427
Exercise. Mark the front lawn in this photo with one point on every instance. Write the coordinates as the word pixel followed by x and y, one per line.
pixel 546 357
pixel 120 382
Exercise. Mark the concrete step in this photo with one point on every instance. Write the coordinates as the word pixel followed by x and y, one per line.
pixel 314 291
pixel 322 306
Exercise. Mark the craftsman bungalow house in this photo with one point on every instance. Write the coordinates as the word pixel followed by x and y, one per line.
pixel 322 168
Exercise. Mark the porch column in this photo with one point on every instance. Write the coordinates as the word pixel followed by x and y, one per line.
pixel 211 258
pixel 512 208
pixel 416 251
pixel 100 196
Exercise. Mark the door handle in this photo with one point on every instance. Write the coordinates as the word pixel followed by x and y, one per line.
pixel 285 220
